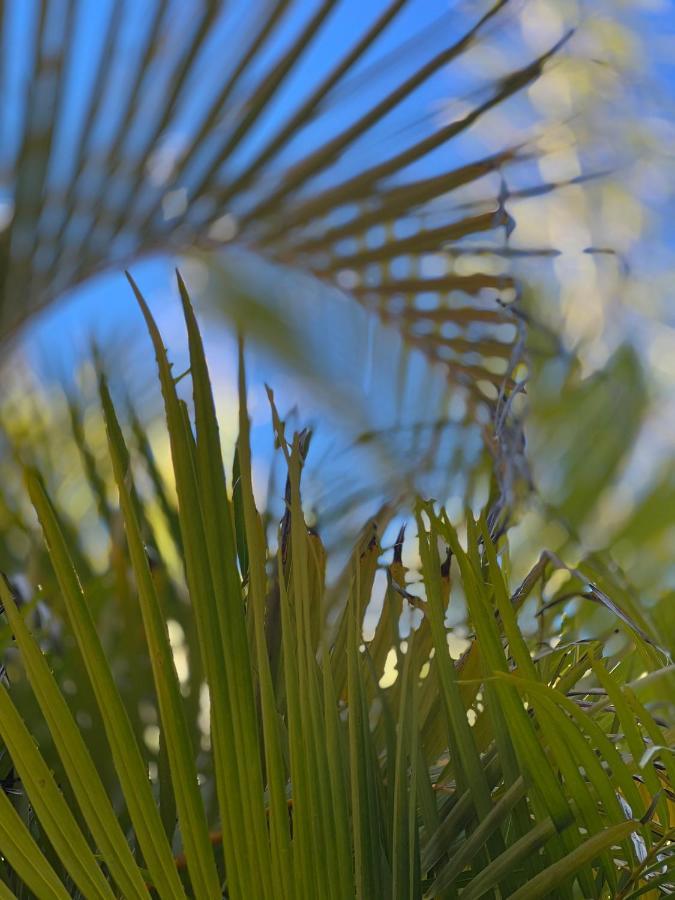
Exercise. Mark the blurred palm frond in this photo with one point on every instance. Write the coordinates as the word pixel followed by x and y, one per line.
pixel 293 130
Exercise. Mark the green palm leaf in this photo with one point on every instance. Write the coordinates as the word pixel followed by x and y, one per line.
pixel 498 771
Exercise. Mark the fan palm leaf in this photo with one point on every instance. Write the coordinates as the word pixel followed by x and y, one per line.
pixel 501 769
pixel 185 127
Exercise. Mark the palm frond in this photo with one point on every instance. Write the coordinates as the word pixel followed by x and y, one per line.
pixel 347 760
pixel 140 133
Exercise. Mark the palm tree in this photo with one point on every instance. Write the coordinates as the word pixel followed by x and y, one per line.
pixel 200 711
